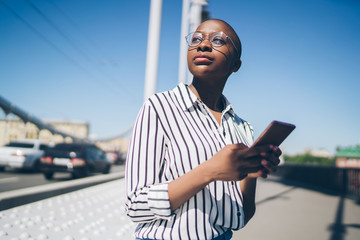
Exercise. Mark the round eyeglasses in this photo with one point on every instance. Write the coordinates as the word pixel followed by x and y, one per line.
pixel 217 39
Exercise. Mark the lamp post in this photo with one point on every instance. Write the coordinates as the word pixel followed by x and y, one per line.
pixel 190 20
pixel 152 55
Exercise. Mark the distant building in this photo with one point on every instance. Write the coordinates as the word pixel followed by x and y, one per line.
pixel 348 157
pixel 318 152
pixel 116 144
pixel 14 128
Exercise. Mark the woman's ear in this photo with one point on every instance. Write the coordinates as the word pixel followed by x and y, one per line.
pixel 237 65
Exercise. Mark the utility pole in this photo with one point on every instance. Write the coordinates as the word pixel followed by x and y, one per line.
pixel 190 20
pixel 152 55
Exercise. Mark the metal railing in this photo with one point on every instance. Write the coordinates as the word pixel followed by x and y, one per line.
pixel 342 180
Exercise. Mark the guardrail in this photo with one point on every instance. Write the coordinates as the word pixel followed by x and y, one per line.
pixel 342 180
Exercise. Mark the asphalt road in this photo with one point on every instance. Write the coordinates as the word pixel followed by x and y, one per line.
pixel 15 179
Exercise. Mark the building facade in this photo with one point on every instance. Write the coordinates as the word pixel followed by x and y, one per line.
pixel 114 145
pixel 348 157
pixel 14 128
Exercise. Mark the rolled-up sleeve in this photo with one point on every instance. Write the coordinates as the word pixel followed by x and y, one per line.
pixel 147 195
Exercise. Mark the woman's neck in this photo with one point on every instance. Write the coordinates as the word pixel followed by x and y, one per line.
pixel 211 95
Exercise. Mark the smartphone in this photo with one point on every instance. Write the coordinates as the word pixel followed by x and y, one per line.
pixel 274 134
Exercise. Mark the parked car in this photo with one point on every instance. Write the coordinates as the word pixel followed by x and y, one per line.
pixel 79 159
pixel 115 157
pixel 22 154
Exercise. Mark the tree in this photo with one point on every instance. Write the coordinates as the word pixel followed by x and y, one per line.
pixel 308 158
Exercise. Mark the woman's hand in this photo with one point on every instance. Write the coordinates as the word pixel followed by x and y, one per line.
pixel 232 163
pixel 236 161
pixel 270 162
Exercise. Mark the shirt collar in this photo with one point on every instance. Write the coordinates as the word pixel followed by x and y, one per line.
pixel 228 107
pixel 189 99
pixel 186 95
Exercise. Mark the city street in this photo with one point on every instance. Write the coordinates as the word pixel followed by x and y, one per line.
pixel 13 180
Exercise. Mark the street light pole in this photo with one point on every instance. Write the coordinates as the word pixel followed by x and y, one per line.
pixel 183 72
pixel 152 55
pixel 191 19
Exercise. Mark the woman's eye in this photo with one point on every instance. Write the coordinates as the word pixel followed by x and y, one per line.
pixel 196 39
pixel 218 41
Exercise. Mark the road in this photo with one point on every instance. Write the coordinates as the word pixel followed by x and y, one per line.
pixel 13 180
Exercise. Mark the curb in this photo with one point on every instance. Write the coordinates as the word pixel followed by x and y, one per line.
pixel 23 196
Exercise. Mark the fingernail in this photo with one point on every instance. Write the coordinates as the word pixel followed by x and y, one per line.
pixel 264 162
pixel 275 148
pixel 263 154
pixel 271 146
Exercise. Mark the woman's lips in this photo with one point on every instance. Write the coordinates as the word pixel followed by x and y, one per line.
pixel 202 59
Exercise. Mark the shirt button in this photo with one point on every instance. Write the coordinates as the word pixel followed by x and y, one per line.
pixel 238 214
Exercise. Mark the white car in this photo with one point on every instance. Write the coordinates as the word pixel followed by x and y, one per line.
pixel 22 154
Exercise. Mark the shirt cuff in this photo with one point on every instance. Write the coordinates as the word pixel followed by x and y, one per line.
pixel 159 202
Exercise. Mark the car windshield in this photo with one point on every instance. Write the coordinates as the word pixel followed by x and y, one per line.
pixel 43 147
pixel 69 147
pixel 20 145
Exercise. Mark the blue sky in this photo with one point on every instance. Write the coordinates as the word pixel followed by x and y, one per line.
pixel 85 60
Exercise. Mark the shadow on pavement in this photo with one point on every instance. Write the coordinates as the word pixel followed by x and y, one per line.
pixel 338 229
pixel 280 195
pixel 307 186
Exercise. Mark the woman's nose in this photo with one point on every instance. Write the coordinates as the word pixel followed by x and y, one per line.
pixel 205 45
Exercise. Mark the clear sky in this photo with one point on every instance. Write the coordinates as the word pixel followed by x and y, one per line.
pixel 85 60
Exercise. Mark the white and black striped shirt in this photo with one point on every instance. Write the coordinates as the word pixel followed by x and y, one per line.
pixel 175 132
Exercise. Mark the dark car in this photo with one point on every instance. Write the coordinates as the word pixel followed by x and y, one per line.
pixel 116 157
pixel 79 159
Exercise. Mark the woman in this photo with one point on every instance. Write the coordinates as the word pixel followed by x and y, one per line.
pixel 190 173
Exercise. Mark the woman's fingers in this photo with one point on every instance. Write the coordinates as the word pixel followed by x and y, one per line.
pixel 260 150
pixel 260 173
pixel 276 151
pixel 268 165
pixel 237 161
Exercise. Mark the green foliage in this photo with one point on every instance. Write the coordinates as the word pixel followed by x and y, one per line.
pixel 307 158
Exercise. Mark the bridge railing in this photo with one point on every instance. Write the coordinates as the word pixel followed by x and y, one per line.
pixel 342 180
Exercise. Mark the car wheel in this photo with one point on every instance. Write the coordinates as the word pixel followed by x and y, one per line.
pixel 107 169
pixel 81 173
pixel 2 169
pixel 76 174
pixel 49 175
pixel 36 166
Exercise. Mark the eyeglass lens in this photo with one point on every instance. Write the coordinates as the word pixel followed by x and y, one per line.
pixel 217 39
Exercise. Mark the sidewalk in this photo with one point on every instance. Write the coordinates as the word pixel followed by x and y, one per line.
pixel 296 212
pixel 283 212
pixel 92 213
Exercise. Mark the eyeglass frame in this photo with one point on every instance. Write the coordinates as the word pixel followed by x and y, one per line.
pixel 202 39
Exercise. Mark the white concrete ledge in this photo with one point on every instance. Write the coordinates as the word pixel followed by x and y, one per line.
pixel 19 197
pixel 91 213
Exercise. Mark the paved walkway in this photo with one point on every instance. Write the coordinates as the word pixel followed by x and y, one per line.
pixel 290 211
pixel 89 214
pixel 283 212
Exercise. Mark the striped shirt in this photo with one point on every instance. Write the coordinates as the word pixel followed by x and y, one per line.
pixel 174 133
